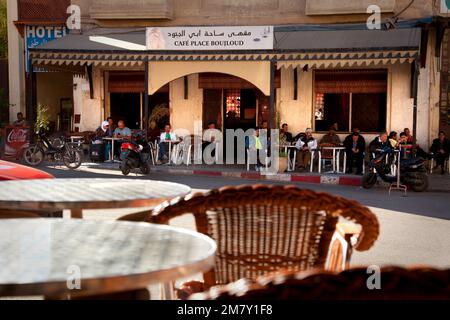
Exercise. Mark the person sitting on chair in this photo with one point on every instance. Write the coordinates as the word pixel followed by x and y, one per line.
pixel 331 137
pixel 285 136
pixel 165 138
pixel 355 147
pixel 418 150
pixel 441 150
pixel 305 145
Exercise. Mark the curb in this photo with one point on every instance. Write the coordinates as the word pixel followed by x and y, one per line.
pixel 314 179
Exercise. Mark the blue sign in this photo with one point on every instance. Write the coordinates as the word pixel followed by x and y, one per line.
pixel 39 35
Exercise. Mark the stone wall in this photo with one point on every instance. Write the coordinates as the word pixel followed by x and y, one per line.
pixel 238 12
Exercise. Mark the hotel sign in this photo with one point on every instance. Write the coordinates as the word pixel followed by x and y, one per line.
pixel 39 35
pixel 210 38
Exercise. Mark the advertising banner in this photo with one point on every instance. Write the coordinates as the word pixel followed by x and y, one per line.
pixel 16 139
pixel 210 38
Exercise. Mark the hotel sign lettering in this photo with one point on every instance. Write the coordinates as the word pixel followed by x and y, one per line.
pixel 39 35
pixel 210 38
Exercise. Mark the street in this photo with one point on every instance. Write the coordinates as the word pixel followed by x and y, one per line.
pixel 414 229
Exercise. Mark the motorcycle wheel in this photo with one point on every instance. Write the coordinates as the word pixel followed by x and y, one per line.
pixel 125 168
pixel 145 169
pixel 33 156
pixel 421 182
pixel 72 159
pixel 369 180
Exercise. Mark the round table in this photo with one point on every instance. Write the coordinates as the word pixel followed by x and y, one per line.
pixel 56 258
pixel 79 194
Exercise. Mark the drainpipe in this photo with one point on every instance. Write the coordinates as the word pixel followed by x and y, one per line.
pixel 272 114
pixel 146 100
pixel 415 96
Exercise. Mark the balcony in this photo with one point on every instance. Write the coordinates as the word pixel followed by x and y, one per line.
pixel 131 9
pixel 332 7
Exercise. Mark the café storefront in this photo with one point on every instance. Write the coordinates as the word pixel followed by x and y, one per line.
pixel 305 78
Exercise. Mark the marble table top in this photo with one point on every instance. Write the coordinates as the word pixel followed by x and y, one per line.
pixel 39 256
pixel 64 194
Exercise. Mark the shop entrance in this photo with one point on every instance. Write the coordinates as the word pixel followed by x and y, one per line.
pixel 232 103
pixel 127 107
pixel 126 94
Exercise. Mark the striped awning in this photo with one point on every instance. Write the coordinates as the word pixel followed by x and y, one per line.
pixel 315 49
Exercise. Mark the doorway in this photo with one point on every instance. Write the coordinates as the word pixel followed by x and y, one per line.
pixel 127 107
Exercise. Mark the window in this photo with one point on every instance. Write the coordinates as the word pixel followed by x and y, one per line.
pixel 351 98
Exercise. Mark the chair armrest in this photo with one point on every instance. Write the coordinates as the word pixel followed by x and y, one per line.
pixel 341 246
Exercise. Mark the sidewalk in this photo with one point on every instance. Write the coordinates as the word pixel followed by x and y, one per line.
pixel 438 183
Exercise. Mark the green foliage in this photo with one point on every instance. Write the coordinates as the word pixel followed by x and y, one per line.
pixel 43 118
pixel 3 30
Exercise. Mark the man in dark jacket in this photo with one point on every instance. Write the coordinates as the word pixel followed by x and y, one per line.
pixel 355 146
pixel 380 142
pixel 441 150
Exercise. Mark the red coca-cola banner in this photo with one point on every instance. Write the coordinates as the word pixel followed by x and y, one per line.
pixel 16 139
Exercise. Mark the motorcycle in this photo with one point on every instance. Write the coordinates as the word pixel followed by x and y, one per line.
pixel 412 172
pixel 69 153
pixel 135 154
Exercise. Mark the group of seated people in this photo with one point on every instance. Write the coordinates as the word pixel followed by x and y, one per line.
pixel 168 136
pixel 355 146
pixel 109 130
pixel 439 150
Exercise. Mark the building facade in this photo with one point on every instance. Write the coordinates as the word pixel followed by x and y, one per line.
pixel 325 67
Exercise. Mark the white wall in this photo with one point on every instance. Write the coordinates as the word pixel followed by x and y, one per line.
pixel 91 110
pixel 184 113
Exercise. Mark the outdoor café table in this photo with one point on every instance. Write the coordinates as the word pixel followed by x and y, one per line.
pixel 112 139
pixel 74 139
pixel 79 194
pixel 336 158
pixel 42 257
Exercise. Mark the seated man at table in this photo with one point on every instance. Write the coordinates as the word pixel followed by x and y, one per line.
pixel 305 145
pixel 331 138
pixel 165 138
pixel 355 147
pixel 122 133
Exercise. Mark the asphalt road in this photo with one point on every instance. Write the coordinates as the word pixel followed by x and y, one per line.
pixel 428 204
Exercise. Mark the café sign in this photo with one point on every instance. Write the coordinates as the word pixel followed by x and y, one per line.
pixel 210 38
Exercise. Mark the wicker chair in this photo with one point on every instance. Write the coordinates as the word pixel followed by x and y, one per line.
pixel 396 284
pixel 262 229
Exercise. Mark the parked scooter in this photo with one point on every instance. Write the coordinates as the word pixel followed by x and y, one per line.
pixel 135 154
pixel 412 172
